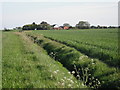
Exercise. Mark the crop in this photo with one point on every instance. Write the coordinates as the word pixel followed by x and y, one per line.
pixel 100 44
pixel 92 72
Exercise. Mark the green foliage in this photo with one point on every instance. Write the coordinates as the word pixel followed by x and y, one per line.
pixel 42 26
pixel 66 24
pixel 83 25
pixel 29 27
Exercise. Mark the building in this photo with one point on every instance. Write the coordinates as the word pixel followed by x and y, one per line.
pixel 56 27
pixel 66 27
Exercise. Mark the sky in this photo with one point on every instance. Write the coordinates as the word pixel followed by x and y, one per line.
pixel 15 14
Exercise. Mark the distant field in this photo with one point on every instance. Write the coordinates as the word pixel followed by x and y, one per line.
pixel 61 59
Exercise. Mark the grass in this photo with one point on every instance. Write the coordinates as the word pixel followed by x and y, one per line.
pixel 0 59
pixel 26 65
pixel 42 64
pixel 101 44
pixel 96 70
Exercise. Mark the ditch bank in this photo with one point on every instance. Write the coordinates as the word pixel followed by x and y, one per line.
pixel 111 60
pixel 92 72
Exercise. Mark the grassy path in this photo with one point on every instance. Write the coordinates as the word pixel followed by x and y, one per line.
pixel 26 65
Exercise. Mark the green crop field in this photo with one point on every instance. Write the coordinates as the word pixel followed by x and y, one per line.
pixel 61 59
pixel 101 44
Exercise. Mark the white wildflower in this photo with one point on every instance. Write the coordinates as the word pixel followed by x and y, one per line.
pixel 73 72
pixel 69 72
pixel 98 82
pixel 68 79
pixel 83 84
pixel 92 60
pixel 81 57
pixel 62 84
pixel 71 81
pixel 62 80
pixel 86 56
pixel 64 77
pixel 92 77
pixel 78 75
pixel 89 74
pixel 55 72
pixel 69 85
pixel 51 53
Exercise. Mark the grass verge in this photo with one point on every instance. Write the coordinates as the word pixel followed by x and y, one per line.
pixel 0 59
pixel 26 65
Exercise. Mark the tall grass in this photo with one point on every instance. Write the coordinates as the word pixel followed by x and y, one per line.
pixel 101 44
pixel 26 65
pixel 92 72
pixel 0 59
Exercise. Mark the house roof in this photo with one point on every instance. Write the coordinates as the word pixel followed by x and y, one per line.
pixel 56 26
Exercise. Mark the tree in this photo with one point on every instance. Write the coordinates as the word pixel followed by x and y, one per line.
pixel 98 26
pixel 66 24
pixel 32 26
pixel 5 29
pixel 43 26
pixel 83 25
pixel 17 28
pixel 93 27
pixel 26 27
pixel 33 23
pixel 43 22
pixel 113 27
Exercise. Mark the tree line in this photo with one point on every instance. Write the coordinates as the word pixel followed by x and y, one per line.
pixel 45 26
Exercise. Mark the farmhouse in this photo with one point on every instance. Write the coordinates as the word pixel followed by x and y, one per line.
pixel 66 27
pixel 56 27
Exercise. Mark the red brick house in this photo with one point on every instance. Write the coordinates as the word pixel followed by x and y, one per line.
pixel 66 28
